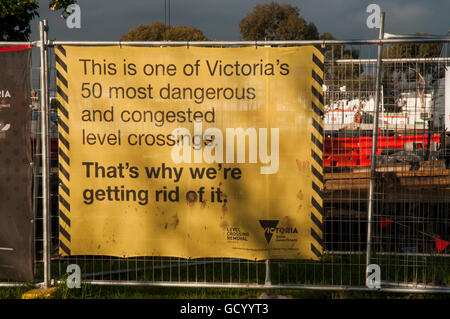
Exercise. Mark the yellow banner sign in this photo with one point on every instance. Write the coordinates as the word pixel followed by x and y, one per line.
pixel 190 152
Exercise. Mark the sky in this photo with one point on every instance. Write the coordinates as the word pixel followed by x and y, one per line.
pixel 108 20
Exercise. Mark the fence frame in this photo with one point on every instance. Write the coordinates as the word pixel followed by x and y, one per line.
pixel 44 44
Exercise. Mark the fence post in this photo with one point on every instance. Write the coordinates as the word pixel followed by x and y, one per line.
pixel 268 281
pixel 374 145
pixel 45 152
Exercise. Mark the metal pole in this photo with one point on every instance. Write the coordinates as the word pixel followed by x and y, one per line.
pixel 11 43
pixel 268 282
pixel 374 145
pixel 247 43
pixel 393 60
pixel 45 158
pixel 412 288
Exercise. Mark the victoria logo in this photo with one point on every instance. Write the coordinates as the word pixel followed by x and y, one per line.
pixel 270 228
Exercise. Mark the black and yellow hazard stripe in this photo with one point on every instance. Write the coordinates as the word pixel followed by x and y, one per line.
pixel 62 86
pixel 316 153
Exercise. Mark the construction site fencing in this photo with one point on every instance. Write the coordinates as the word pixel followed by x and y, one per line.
pixel 410 219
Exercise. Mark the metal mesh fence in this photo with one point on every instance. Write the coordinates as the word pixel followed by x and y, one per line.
pixel 410 222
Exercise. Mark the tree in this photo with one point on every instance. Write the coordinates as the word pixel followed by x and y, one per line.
pixel 411 50
pixel 273 21
pixel 16 16
pixel 157 31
